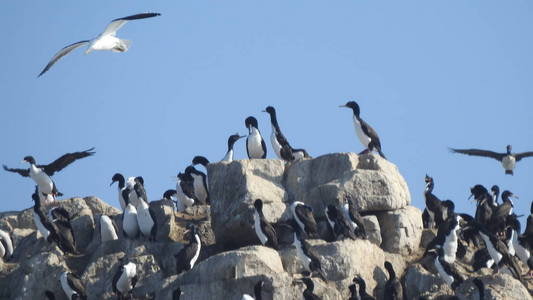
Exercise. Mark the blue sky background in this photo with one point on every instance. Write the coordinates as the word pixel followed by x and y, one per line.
pixel 427 75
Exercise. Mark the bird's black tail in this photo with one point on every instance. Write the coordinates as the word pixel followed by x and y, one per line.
pixel 509 172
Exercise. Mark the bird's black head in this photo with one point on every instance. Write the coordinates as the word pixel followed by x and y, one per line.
pixel 233 138
pixel 389 267
pixel 450 206
pixel 428 178
pixel 190 170
pixel 478 191
pixel 118 178
pixel 354 106
pixel 331 211
pixel 200 160
pixel 29 159
pixel 181 176
pixel 308 283
pixel 251 121
pixel 271 110
pixel 508 194
pixel 509 149
pixel 258 204
pixel 139 179
pixel 168 194
pixel 495 190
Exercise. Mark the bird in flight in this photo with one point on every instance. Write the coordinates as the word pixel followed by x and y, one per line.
pixel 507 159
pixel 107 40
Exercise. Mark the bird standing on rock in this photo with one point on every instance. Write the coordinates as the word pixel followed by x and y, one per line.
pixel 263 229
pixel 366 134
pixel 255 145
pixel 188 255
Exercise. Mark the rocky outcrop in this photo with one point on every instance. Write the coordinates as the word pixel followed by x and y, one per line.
pixel 401 230
pixel 373 183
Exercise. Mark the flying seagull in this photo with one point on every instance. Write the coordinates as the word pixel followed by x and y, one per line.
pixel 507 159
pixel 107 40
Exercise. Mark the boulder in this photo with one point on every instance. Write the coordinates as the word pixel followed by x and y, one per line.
pixel 401 230
pixel 373 231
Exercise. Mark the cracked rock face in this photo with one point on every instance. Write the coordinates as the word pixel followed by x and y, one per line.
pixel 372 183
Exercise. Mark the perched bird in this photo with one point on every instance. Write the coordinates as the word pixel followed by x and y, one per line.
pixel 200 160
pixel 263 229
pixel 362 288
pixel 366 134
pixel 393 286
pixel 108 229
pixel 355 219
pixel 446 270
pixel 169 196
pixel 125 280
pixel 130 225
pixel 447 239
pixel 107 40
pixel 482 259
pixel 338 224
pixel 495 192
pixel 58 213
pixel 516 242
pixel 508 159
pixel 499 252
pixel 121 186
pixel 255 145
pixel 188 255
pixel 480 287
pixel 309 287
pixel 257 292
pixel 308 258
pixel 72 286
pixel 231 141
pixel 201 191
pixel 41 173
pixel 500 214
pixel 145 214
pixel 303 215
pixel 484 209
pixel 279 142
pixel 354 293
pixel 6 245
pixel 434 205
pixel 185 191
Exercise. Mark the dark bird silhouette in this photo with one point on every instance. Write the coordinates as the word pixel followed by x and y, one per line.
pixel 507 159
pixel 362 288
pixel 393 286
pixel 263 229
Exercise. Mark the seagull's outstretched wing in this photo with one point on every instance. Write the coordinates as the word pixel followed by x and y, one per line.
pixel 519 156
pixel 22 172
pixel 62 53
pixel 477 152
pixel 116 24
pixel 65 160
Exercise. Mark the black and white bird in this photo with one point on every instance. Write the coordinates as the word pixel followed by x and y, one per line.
pixel 499 252
pixel 130 225
pixel 6 245
pixel 500 214
pixel 263 229
pixel 393 286
pixel 72 286
pixel 59 232
pixel 200 160
pixel 366 134
pixel 121 186
pixel 125 280
pixel 309 289
pixel 507 159
pixel 518 242
pixel 41 173
pixel 188 255
pixel 355 219
pixel 279 142
pixel 107 40
pixel 58 213
pixel 362 288
pixel 303 215
pixel 495 192
pixel 201 190
pixel 308 258
pixel 447 239
pixel 185 191
pixel 434 208
pixel 484 208
pixel 108 229
pixel 255 144
pixel 145 214
pixel 339 225
pixel 169 195
pixel 231 141
pixel 257 292
pixel 446 270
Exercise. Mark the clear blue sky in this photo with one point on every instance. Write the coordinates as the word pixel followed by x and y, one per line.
pixel 427 75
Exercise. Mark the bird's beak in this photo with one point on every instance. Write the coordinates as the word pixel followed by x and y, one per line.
pixel 515 196
pixel 111 183
pixel 263 111
pixel 471 195
pixel 344 105
pixel 241 136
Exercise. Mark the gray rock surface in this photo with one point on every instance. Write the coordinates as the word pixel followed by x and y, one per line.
pixel 401 230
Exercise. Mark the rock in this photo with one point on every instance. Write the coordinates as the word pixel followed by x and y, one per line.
pixel 342 260
pixel 164 215
pixel 401 230
pixel 374 183
pixel 373 231
pixel 498 287
pixel 419 282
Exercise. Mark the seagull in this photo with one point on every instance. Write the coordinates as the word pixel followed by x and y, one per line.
pixel 107 40
pixel 41 173
pixel 507 159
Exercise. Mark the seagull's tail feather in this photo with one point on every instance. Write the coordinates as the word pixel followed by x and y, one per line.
pixel 123 46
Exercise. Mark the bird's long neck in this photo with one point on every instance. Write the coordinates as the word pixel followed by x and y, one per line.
pixel 121 182
pixel 429 187
pixel 257 292
pixel 274 121
pixel 392 274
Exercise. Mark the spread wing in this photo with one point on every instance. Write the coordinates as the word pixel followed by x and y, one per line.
pixel 478 152
pixel 22 172
pixel 519 156
pixel 66 50
pixel 65 160
pixel 116 24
